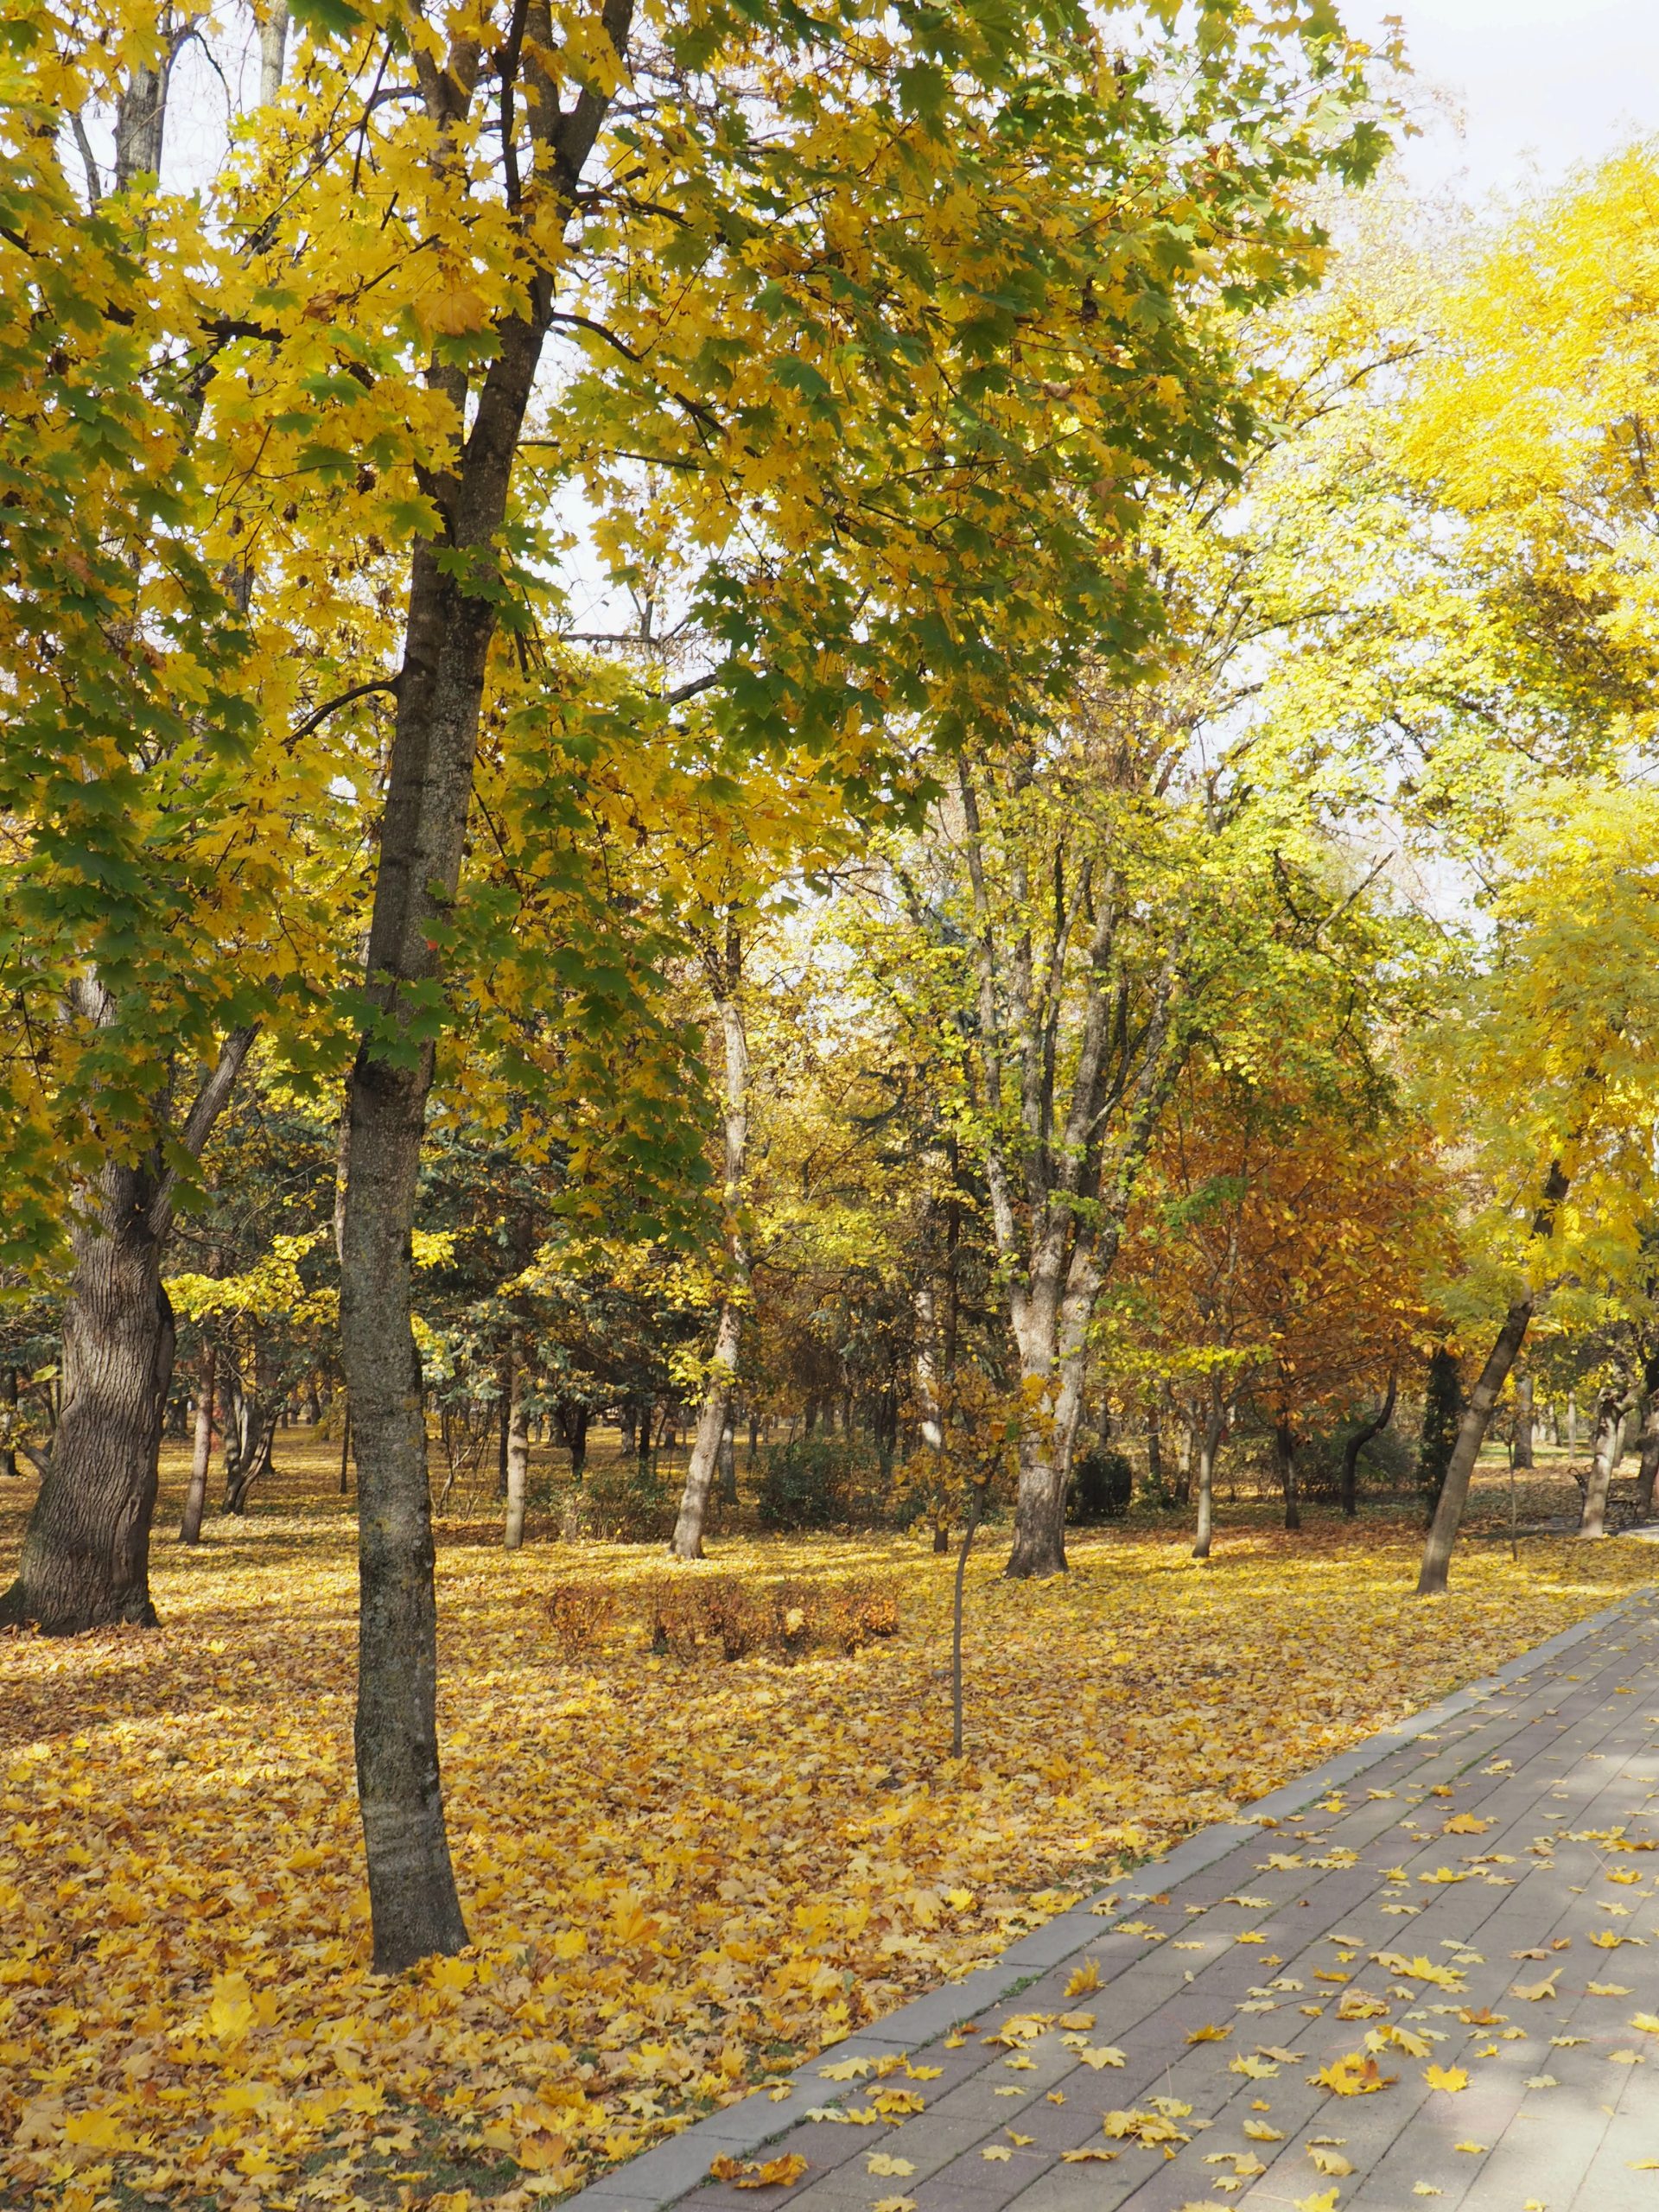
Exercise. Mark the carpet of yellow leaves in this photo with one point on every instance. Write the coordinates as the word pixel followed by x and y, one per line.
pixel 677 1877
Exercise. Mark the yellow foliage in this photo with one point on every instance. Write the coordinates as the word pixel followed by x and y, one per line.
pixel 662 1913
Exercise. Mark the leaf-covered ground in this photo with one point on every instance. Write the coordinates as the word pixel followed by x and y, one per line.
pixel 676 1876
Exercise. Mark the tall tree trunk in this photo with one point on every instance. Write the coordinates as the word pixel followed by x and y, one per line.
pixel 504 1381
pixel 1154 1447
pixel 273 51
pixel 1611 1406
pixel 1471 1434
pixel 516 1430
pixel 1215 1427
pixel 196 1497
pixel 1523 1423
pixel 1472 1430
pixel 726 1492
pixel 1052 1335
pixel 9 1417
pixel 1284 1439
pixel 86 1555
pixel 1355 1445
pixel 1649 1444
pixel 345 1453
pixel 930 1419
pixel 714 1414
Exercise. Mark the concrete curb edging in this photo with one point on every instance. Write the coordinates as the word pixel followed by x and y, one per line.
pixel 658 2177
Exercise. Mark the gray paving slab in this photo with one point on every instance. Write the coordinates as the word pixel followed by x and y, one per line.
pixel 1337 1922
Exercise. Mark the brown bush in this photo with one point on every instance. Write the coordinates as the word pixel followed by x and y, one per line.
pixel 580 1613
pixel 688 1615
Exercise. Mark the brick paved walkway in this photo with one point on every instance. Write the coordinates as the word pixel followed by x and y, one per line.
pixel 1383 1911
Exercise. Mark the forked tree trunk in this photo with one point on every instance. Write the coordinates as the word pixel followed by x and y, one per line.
pixel 196 1497
pixel 1612 1408
pixel 1053 1336
pixel 518 1451
pixel 86 1556
pixel 1209 1446
pixel 1472 1430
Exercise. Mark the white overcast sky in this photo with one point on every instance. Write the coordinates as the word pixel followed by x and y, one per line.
pixel 1541 84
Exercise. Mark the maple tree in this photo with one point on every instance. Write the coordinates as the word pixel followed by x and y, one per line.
pixel 779 361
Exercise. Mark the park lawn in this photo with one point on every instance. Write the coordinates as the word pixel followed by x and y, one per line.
pixel 678 1876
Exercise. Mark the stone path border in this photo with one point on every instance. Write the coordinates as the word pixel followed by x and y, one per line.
pixel 661 2177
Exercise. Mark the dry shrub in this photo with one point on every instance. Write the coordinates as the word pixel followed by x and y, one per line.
pixel 692 1615
pixel 580 1613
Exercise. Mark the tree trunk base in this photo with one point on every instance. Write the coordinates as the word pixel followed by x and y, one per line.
pixel 1035 1561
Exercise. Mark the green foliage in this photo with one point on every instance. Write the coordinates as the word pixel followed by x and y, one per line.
pixel 1102 1482
pixel 804 1484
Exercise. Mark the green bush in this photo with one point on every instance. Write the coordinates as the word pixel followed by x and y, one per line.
pixel 802 1486
pixel 627 1503
pixel 1103 1483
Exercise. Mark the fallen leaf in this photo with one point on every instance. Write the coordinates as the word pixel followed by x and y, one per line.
pixel 880 2162
pixel 1450 2078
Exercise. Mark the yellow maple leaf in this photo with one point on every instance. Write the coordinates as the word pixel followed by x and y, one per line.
pixel 882 2162
pixel 1085 1979
pixel 1450 2078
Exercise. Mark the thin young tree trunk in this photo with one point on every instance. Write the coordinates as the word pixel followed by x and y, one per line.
pixel 1208 1445
pixel 975 1511
pixel 196 1497
pixel 714 1413
pixel 517 1432
pixel 1356 1443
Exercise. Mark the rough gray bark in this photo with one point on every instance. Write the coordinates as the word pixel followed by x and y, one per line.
pixel 449 623
pixel 714 1416
pixel 196 1497
pixel 86 1555
pixel 1649 1444
pixel 9 1417
pixel 1523 1421
pixel 273 52
pixel 140 119
pixel 1613 1406
pixel 1284 1445
pixel 1472 1430
pixel 1058 1200
pixel 1215 1427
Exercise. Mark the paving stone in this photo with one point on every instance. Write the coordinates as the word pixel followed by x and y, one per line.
pixel 1556 1755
